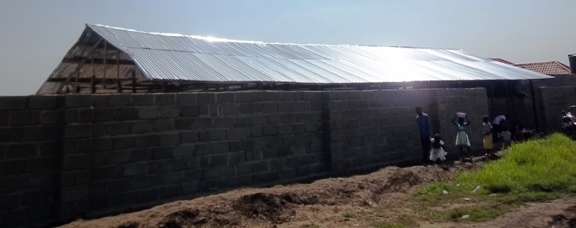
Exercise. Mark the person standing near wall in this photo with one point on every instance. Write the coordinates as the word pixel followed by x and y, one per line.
pixel 498 122
pixel 425 128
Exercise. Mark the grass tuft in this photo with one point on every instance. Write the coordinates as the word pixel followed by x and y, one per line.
pixel 533 171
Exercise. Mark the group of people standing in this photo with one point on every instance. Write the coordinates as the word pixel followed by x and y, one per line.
pixel 433 149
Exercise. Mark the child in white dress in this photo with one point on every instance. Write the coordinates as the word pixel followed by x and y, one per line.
pixel 437 152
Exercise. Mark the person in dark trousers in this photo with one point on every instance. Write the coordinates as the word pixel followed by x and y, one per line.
pixel 425 128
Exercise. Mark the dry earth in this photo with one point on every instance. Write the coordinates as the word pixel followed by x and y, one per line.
pixel 383 196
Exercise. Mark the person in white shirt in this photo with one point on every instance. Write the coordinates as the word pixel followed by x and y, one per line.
pixel 498 122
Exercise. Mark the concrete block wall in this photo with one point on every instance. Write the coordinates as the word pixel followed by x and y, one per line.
pixel 372 129
pixel 84 156
pixel 471 101
pixel 121 152
pixel 30 130
pixel 552 101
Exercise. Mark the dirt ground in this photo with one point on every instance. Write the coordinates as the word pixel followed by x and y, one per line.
pixel 384 196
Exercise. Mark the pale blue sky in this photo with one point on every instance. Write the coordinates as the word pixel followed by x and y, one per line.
pixel 35 34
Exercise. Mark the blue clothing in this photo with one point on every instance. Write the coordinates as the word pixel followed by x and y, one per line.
pixel 460 127
pixel 424 125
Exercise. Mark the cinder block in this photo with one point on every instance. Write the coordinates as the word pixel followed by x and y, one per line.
pixel 270 130
pixel 121 128
pixel 4 118
pixel 45 102
pixel 78 193
pixel 236 134
pixel 202 123
pixel 184 151
pixel 223 122
pixel 107 173
pixel 119 100
pixel 212 173
pixel 148 112
pixel 12 167
pixel 230 109
pixel 169 112
pixel 216 135
pixel 20 151
pixel 164 99
pixel 169 139
pixel 13 103
pixel 124 142
pixel 269 153
pixel 143 99
pixel 256 107
pixel 284 129
pixel 269 107
pixel 189 187
pixel 122 199
pixel 140 155
pixel 100 144
pixel 284 107
pixel 99 101
pixel 19 118
pixel 192 110
pixel 276 164
pixel 206 98
pixel 77 131
pixel 144 141
pixel 141 127
pixel 134 169
pixel 121 114
pixel 102 114
pixel 236 158
pixel 162 153
pixel 245 109
pixel 39 133
pixel 224 98
pixel 163 125
pixel 260 167
pixel 242 97
pixel 11 134
pixel 186 98
pixel 168 192
pixel 146 195
pixel 78 101
pixel 219 160
pixel 73 162
pixel 188 136
pixel 46 117
pixel 220 147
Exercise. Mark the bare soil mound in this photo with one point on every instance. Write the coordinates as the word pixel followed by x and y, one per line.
pixel 329 203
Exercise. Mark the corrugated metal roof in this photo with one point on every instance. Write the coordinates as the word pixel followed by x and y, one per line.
pixel 193 58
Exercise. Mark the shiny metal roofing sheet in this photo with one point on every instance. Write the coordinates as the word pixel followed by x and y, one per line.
pixel 193 58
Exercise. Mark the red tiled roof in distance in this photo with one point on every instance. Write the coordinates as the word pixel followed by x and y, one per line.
pixel 549 68
pixel 502 61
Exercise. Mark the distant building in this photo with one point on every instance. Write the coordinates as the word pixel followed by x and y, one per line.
pixel 552 68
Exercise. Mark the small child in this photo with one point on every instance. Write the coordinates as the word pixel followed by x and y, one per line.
pixel 506 136
pixel 437 153
pixel 488 139
pixel 462 140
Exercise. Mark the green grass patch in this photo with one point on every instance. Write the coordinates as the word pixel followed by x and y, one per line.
pixel 309 226
pixel 543 165
pixel 476 213
pixel 536 170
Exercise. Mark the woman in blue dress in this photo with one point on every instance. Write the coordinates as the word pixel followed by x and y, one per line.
pixel 462 141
